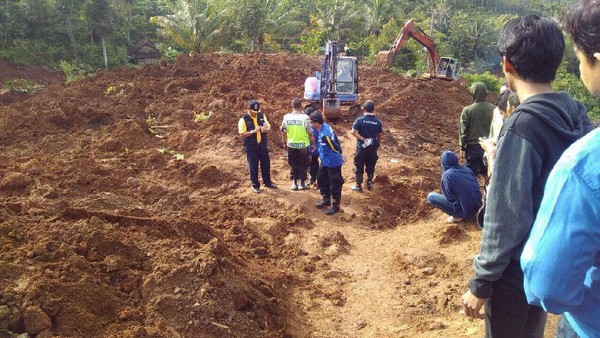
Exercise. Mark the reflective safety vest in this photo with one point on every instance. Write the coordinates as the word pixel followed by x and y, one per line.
pixel 295 125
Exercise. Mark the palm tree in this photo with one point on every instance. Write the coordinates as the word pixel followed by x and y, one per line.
pixel 341 17
pixel 378 13
pixel 194 25
pixel 259 19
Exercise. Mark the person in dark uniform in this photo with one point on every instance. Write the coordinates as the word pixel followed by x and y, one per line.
pixel 368 130
pixel 313 169
pixel 329 178
pixel 253 128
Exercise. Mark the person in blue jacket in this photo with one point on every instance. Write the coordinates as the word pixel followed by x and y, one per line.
pixel 329 178
pixel 461 196
pixel 561 259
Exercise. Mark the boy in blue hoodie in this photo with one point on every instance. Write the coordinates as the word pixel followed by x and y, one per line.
pixel 561 260
pixel 530 143
pixel 461 197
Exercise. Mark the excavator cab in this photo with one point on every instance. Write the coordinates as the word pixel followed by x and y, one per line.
pixel 335 85
pixel 447 69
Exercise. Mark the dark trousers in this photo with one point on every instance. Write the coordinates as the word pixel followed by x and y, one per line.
pixel 508 313
pixel 365 157
pixel 260 155
pixel 314 168
pixel 298 161
pixel 330 183
pixel 474 159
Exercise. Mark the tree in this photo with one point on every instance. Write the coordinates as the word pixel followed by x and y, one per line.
pixel 258 19
pixel 194 25
pixel 102 18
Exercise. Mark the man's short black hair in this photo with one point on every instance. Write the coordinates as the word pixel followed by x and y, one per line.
pixel 583 24
pixel 534 46
pixel 297 103
pixel 502 100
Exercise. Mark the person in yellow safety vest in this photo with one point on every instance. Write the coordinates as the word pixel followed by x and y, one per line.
pixel 297 138
pixel 253 128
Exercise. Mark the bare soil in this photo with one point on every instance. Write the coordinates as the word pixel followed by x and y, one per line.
pixel 104 232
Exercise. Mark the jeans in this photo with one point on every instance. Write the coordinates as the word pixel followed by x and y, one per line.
pixel 508 313
pixel 441 202
pixel 565 330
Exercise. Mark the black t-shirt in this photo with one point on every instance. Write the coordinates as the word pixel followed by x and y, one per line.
pixel 368 126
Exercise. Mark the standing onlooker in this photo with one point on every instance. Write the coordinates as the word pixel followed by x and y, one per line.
pixel 330 178
pixel 313 168
pixel 297 138
pixel 561 259
pixel 461 197
pixel 531 141
pixel 253 128
pixel 475 121
pixel 367 129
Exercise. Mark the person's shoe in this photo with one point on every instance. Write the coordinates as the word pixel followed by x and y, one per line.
pixel 357 188
pixel 315 186
pixel 369 185
pixel 294 185
pixel 256 190
pixel 324 203
pixel 271 185
pixel 303 186
pixel 332 209
pixel 453 219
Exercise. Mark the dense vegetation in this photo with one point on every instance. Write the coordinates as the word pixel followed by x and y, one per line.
pixel 81 36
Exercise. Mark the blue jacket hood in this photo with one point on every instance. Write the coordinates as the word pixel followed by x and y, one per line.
pixel 449 160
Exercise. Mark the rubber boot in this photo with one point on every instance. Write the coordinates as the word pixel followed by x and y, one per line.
pixel 324 203
pixel 335 207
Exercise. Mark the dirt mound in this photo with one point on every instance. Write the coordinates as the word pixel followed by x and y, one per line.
pixel 18 83
pixel 125 209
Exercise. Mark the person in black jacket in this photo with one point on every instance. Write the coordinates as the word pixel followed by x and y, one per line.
pixel 253 128
pixel 530 143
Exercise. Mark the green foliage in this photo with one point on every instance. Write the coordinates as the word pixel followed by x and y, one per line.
pixel 21 86
pixel 75 72
pixel 571 84
pixel 169 53
pixel 492 82
pixel 312 39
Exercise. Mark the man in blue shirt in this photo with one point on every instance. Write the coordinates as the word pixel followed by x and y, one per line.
pixel 329 178
pixel 367 129
pixel 561 258
pixel 461 197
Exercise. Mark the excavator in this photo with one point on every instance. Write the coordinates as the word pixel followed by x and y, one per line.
pixel 335 85
pixel 445 68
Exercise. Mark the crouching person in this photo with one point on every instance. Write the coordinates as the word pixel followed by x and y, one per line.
pixel 329 177
pixel 461 197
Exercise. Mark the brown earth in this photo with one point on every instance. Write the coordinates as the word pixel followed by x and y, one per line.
pixel 105 233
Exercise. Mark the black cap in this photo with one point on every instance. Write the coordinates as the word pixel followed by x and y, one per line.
pixel 316 117
pixel 309 110
pixel 254 105
pixel 369 106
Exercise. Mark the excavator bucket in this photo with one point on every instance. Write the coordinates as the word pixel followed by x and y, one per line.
pixel 331 109
pixel 383 59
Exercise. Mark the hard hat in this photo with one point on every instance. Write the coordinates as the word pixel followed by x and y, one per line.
pixel 254 105
pixel 369 106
